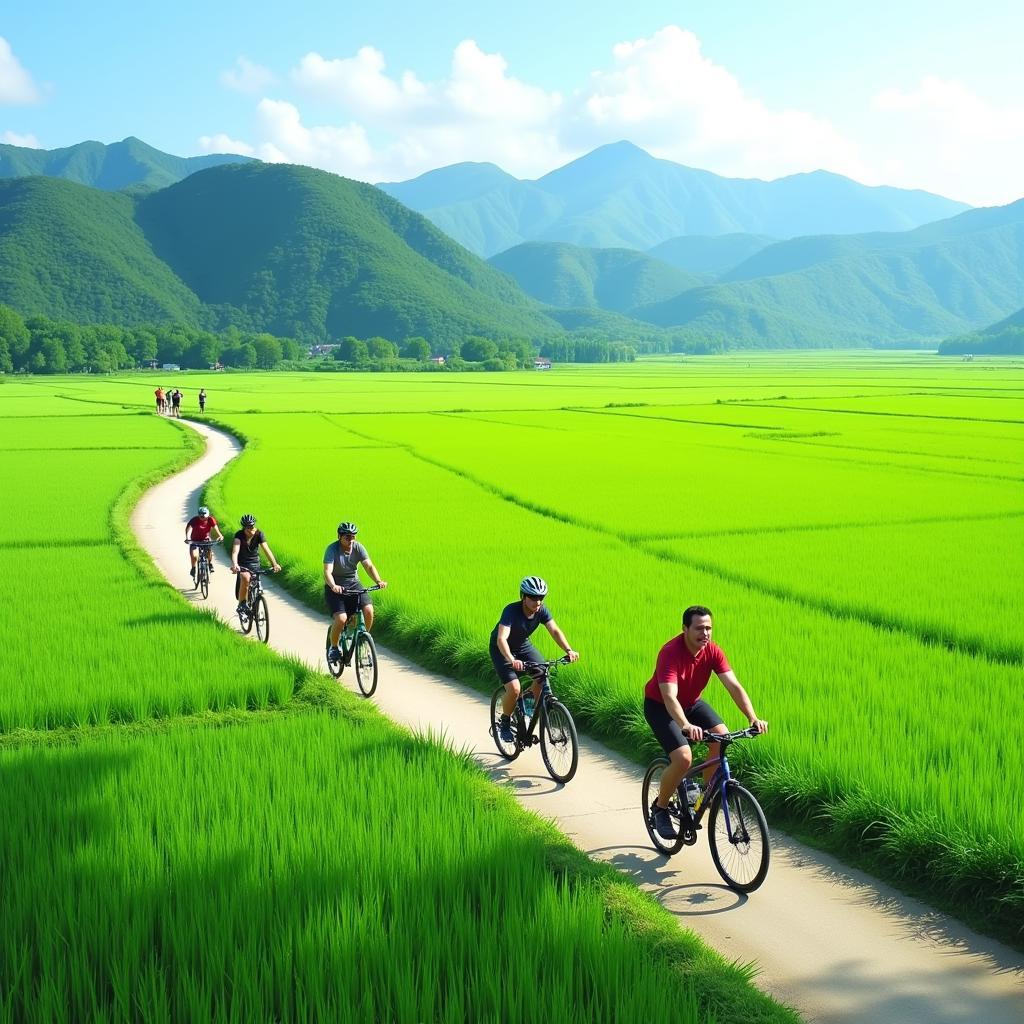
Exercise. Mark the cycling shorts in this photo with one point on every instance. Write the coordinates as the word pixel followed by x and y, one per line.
pixel 666 728
pixel 347 603
pixel 506 673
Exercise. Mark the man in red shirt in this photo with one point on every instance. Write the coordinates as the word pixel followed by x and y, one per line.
pixel 674 710
pixel 198 528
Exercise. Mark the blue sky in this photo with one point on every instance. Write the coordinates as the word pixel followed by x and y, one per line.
pixel 920 95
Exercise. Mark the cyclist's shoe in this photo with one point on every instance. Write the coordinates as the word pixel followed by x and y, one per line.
pixel 505 730
pixel 211 568
pixel 241 609
pixel 662 821
pixel 192 572
pixel 333 655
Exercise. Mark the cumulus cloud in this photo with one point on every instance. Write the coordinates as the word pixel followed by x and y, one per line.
pixel 943 137
pixel 222 143
pixel 247 77
pixel 661 92
pixel 26 141
pixel 16 84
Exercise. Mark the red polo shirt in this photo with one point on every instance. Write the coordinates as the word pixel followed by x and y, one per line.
pixel 690 672
pixel 201 527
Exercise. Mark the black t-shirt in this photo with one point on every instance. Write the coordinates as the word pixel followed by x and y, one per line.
pixel 519 626
pixel 249 548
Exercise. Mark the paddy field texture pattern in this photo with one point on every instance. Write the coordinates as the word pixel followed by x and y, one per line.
pixel 854 522
pixel 198 829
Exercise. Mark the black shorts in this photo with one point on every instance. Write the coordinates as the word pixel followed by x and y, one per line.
pixel 666 728
pixel 347 603
pixel 506 673
pixel 238 578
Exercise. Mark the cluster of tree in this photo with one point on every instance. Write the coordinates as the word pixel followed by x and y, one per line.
pixel 583 349
pixel 37 344
pixel 1007 341
pixel 474 352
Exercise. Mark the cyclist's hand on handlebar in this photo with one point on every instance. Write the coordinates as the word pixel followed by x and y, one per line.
pixel 235 569
pixel 518 665
pixel 337 589
pixel 693 732
pixel 572 655
pixel 277 568
pixel 759 725
pixel 383 584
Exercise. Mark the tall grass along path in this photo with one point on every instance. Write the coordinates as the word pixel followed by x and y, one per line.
pixel 827 939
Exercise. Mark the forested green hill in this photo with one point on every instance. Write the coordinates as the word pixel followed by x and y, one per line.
pixel 566 275
pixel 126 164
pixel 288 250
pixel 910 287
pixel 1000 339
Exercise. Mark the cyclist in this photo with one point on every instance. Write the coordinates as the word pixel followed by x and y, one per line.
pixel 675 712
pixel 341 563
pixel 245 556
pixel 199 528
pixel 202 399
pixel 510 645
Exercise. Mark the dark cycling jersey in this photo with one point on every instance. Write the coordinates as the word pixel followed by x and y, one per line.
pixel 249 549
pixel 519 625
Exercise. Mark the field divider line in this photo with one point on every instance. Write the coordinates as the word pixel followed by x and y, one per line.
pixel 840 612
pixel 897 415
pixel 743 531
pixel 830 914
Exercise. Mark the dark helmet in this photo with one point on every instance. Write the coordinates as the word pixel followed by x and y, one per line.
pixel 247 520
pixel 533 586
pixel 347 527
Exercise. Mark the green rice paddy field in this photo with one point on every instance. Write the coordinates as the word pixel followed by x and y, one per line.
pixel 197 829
pixel 854 521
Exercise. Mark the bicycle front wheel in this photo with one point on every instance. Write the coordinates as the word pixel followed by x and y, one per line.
pixel 262 617
pixel 204 582
pixel 366 663
pixel 739 840
pixel 559 745
pixel 648 794
pixel 509 749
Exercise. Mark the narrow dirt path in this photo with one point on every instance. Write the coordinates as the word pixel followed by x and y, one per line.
pixel 831 941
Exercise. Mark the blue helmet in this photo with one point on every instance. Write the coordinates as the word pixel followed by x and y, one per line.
pixel 533 586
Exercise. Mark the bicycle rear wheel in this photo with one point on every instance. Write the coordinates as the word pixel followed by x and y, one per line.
pixel 559 745
pixel 508 750
pixel 245 617
pixel 334 667
pixel 203 572
pixel 366 663
pixel 741 851
pixel 262 617
pixel 648 794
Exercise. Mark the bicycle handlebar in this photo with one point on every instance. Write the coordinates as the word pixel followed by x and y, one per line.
pixel 564 660
pixel 202 543
pixel 742 734
pixel 356 593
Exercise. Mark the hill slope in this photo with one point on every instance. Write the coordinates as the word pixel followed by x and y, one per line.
pixel 709 254
pixel 72 252
pixel 289 250
pixel 567 276
pixel 1004 338
pixel 621 196
pixel 914 287
pixel 125 164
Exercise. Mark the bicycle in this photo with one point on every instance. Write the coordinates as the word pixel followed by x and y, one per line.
pixel 202 580
pixel 356 640
pixel 737 830
pixel 559 745
pixel 254 610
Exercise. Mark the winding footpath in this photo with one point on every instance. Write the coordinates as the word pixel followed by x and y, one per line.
pixel 832 942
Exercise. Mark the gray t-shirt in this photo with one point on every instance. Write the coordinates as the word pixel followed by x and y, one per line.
pixel 345 566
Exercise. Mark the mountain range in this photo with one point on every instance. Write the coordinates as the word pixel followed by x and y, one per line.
pixel 129 164
pixel 619 196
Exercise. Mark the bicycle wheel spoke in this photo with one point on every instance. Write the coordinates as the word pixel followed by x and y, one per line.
pixel 738 836
pixel 558 742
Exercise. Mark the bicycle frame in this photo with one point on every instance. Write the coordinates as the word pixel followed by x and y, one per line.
pixel 719 781
pixel 527 737
pixel 347 637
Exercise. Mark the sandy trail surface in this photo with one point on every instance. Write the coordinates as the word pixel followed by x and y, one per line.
pixel 831 941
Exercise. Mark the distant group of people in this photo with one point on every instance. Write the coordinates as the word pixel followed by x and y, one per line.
pixel 168 402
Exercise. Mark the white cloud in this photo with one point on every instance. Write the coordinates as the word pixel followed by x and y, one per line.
pixel 27 141
pixel 662 93
pixel 16 85
pixel 942 137
pixel 224 144
pixel 247 77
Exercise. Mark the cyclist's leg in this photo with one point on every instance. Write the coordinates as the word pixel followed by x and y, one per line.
pixel 530 653
pixel 507 675
pixel 704 715
pixel 243 585
pixel 674 743
pixel 338 621
pixel 367 611
pixel 193 554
